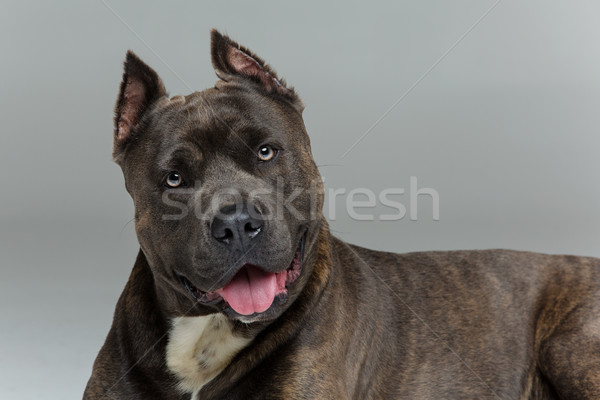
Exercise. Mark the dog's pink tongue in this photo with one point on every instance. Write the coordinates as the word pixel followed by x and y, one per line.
pixel 251 290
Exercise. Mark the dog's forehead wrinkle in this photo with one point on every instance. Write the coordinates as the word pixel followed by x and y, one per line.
pixel 240 107
pixel 202 121
pixel 229 119
pixel 182 150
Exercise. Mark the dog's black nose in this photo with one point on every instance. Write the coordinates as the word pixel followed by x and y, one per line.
pixel 237 225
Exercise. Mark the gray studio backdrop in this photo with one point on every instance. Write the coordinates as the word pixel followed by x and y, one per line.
pixel 499 115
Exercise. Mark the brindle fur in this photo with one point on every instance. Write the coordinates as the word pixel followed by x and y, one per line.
pixel 358 324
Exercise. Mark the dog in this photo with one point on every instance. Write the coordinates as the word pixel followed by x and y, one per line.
pixel 239 291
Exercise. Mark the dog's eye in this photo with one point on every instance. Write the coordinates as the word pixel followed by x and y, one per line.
pixel 266 153
pixel 174 179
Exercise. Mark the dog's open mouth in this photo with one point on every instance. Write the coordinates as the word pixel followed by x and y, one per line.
pixel 252 289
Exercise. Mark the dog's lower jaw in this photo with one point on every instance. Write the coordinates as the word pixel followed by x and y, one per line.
pixel 200 348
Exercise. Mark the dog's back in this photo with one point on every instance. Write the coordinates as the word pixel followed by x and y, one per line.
pixel 487 323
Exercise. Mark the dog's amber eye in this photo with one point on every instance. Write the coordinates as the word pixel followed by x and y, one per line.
pixel 174 179
pixel 266 153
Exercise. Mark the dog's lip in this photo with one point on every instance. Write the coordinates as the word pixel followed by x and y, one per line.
pixel 201 296
pixel 214 297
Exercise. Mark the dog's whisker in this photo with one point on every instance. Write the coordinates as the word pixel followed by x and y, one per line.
pixel 329 165
pixel 125 226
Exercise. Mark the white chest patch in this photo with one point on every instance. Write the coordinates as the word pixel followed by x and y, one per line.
pixel 200 348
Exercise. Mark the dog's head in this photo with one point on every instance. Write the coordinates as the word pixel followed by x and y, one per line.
pixel 227 196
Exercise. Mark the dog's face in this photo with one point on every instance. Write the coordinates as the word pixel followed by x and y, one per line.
pixel 227 195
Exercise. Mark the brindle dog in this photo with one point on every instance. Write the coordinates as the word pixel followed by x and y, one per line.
pixel 239 290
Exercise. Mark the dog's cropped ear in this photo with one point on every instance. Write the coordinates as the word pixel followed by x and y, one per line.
pixel 229 60
pixel 140 88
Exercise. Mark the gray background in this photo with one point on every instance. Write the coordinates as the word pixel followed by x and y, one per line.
pixel 504 127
